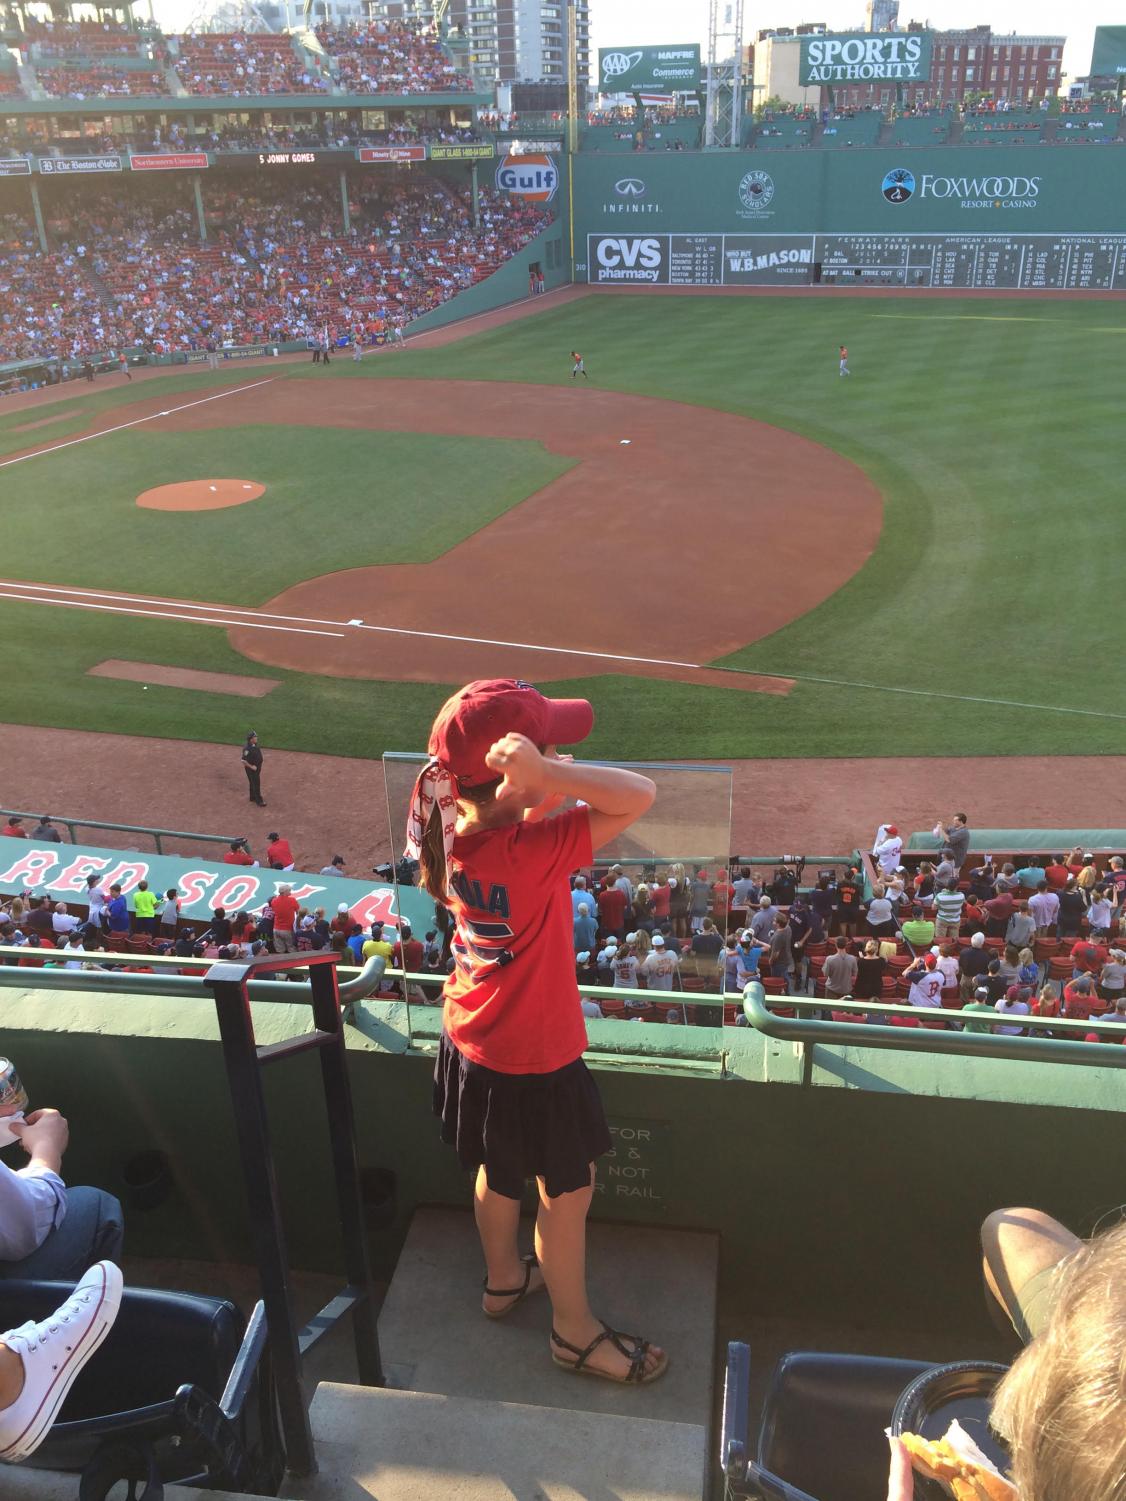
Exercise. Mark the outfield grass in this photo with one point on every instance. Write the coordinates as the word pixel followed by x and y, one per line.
pixel 992 429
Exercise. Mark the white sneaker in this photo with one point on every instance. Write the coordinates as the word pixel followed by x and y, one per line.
pixel 53 1352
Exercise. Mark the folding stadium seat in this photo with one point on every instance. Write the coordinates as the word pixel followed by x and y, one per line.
pixel 1044 948
pixel 773 985
pixel 1060 967
pixel 611 1008
pixel 139 943
pixel 118 943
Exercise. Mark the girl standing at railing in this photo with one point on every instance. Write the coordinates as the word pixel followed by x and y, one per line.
pixel 510 1085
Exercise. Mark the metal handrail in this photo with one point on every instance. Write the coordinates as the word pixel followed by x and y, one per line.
pixel 70 824
pixel 938 1013
pixel 925 1040
pixel 110 978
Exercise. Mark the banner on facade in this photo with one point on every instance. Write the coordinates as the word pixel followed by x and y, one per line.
pixel 461 151
pixel 1108 56
pixel 627 70
pixel 14 166
pixel 864 57
pixel 157 161
pixel 51 166
pixel 391 154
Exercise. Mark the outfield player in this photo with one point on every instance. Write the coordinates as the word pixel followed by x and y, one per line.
pixel 577 367
pixel 844 370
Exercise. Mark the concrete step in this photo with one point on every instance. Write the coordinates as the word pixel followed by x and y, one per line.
pixel 18 1483
pixel 657 1283
pixel 413 1446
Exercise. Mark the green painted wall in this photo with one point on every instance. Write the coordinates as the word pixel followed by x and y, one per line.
pixel 862 1190
pixel 699 192
pixel 509 283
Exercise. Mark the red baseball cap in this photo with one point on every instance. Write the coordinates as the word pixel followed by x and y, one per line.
pixel 471 722
pixel 892 830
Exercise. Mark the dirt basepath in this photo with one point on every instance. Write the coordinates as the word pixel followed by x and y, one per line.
pixel 330 805
pixel 552 570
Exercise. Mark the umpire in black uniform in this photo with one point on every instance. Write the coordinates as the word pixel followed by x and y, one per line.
pixel 252 765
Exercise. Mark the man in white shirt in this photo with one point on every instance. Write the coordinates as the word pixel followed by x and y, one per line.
pixel 48 1232
pixel 762 924
pixel 887 848
pixel 1044 906
pixel 660 966
pixel 63 921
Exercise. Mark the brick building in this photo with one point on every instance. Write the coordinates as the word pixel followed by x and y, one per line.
pixel 1019 70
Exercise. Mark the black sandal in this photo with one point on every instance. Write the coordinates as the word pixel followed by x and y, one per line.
pixel 636 1375
pixel 517 1294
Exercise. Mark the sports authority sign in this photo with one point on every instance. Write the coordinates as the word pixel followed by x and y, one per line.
pixel 667 70
pixel 158 161
pixel 1108 56
pixel 860 56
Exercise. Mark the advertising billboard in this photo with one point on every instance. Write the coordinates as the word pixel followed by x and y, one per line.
pixel 1108 56
pixel 648 70
pixel 864 56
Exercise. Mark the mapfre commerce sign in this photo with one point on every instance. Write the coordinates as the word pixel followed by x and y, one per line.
pixel 864 57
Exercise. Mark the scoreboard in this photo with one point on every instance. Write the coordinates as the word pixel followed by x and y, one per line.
pixel 1034 262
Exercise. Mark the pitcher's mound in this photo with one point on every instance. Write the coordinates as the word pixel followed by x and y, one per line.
pixel 201 495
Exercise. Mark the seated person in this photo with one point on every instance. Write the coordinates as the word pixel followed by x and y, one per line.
pixel 34 1382
pixel 1059 1407
pixel 47 1231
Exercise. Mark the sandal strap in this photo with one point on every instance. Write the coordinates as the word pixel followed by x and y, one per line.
pixel 530 1263
pixel 635 1356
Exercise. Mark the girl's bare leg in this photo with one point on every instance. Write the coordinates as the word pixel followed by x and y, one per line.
pixel 11 1376
pixel 498 1223
pixel 561 1248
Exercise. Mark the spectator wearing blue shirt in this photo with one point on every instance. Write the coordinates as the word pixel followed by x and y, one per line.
pixel 117 911
pixel 1030 876
pixel 586 928
pixel 356 943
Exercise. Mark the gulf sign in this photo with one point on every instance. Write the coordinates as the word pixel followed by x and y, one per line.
pixel 534 177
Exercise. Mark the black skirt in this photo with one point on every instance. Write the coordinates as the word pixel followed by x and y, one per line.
pixel 521 1126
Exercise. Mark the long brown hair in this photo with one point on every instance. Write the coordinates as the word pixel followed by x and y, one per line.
pixel 432 854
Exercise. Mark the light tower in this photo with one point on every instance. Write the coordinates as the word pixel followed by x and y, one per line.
pixel 724 118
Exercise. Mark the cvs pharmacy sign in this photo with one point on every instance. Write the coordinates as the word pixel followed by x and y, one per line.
pixel 628 258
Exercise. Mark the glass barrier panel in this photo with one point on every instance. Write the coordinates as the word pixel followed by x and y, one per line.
pixel 664 879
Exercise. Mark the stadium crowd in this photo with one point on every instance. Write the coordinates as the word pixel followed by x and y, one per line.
pixel 240 64
pixel 128 270
pixel 390 57
pixel 999 942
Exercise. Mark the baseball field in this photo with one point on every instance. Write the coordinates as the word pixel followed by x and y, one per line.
pixel 734 550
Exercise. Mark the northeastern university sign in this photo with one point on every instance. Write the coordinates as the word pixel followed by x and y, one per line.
pixel 860 57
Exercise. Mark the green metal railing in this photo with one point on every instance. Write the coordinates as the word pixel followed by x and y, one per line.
pixel 70 824
pixel 964 1044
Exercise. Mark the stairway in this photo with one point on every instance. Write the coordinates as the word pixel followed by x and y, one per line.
pixel 475 1410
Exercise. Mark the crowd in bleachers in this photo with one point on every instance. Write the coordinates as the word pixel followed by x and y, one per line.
pixel 127 269
pixel 239 64
pixel 391 57
pixel 102 81
pixel 80 39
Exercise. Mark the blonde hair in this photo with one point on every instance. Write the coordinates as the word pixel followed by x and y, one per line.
pixel 642 944
pixel 1061 1407
pixel 1026 957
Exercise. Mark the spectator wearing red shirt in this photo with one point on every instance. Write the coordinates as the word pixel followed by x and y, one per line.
pixel 722 894
pixel 1056 873
pixel 660 894
pixel 512 1003
pixel 238 854
pixel 1087 958
pixel 612 910
pixel 998 910
pixel 278 853
pixel 342 922
pixel 285 910
pixel 408 950
pixel 1080 1000
pixel 14 829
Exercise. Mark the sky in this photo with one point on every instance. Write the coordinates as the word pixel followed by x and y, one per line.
pixel 622 23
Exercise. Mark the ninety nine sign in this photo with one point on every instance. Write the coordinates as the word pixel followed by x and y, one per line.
pixel 14 166
pixel 49 165
pixel 391 154
pixel 161 162
pixel 859 57
pixel 667 70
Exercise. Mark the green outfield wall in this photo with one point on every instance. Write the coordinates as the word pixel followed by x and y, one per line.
pixel 942 216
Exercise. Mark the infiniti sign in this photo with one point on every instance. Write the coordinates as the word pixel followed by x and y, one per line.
pixel 631 197
pixel 629 187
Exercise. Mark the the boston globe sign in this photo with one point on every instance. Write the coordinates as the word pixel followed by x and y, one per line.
pixel 866 57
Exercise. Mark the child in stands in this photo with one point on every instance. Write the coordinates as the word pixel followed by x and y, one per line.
pixel 510 1085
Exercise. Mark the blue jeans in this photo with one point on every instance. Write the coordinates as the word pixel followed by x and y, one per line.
pixel 93 1230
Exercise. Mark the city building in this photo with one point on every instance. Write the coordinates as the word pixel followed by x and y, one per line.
pixel 882 15
pixel 522 40
pixel 966 65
